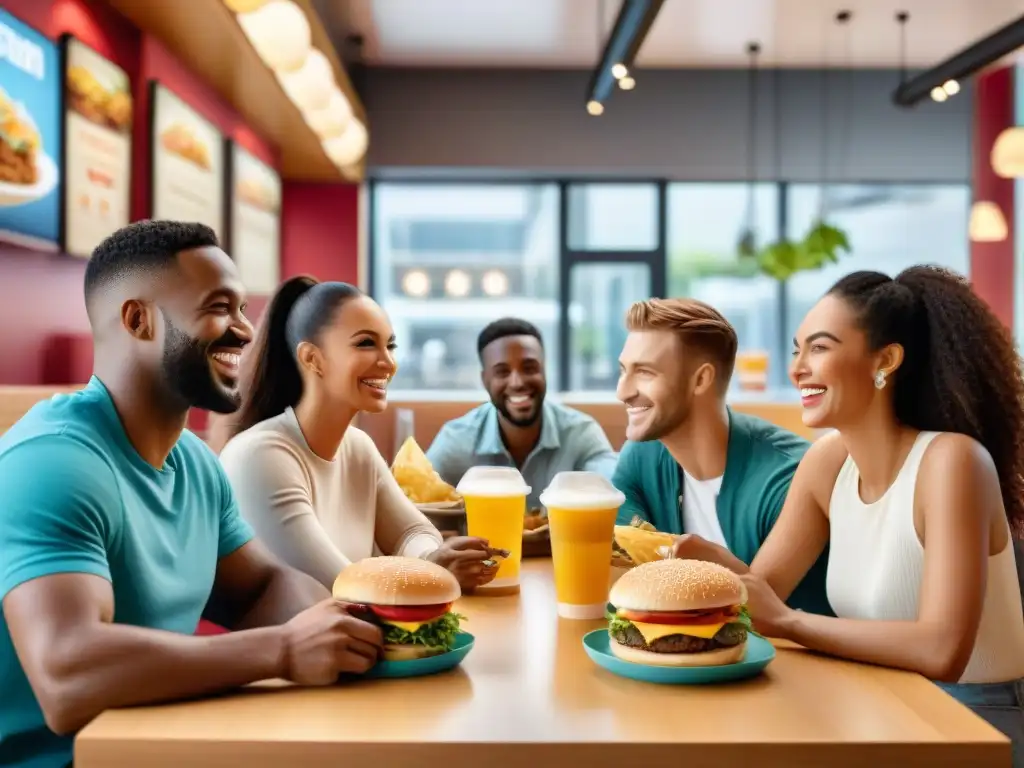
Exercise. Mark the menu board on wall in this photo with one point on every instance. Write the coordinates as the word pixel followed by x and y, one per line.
pixel 30 136
pixel 97 147
pixel 188 162
pixel 255 221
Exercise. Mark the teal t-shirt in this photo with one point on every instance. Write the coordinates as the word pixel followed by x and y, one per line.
pixel 760 462
pixel 75 497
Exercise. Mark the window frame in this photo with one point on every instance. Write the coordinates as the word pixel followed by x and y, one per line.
pixel 655 259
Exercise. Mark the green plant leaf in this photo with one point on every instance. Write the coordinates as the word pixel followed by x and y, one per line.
pixel 779 259
pixel 822 245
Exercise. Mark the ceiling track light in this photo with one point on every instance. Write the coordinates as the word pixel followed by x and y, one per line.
pixel 624 40
pixel 946 76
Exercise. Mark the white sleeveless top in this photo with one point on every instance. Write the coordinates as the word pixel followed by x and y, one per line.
pixel 876 566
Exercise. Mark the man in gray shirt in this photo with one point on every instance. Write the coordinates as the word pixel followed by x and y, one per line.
pixel 519 427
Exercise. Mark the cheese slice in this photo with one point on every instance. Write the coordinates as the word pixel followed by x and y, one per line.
pixel 652 632
pixel 408 626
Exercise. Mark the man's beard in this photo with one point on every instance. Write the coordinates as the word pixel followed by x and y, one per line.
pixel 520 421
pixel 188 375
pixel 666 424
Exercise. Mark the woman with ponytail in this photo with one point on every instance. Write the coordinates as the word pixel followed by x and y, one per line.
pixel 919 491
pixel 314 487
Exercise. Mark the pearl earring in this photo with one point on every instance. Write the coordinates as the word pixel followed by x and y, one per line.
pixel 880 380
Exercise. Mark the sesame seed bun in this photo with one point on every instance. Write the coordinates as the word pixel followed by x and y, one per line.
pixel 716 658
pixel 396 581
pixel 678 585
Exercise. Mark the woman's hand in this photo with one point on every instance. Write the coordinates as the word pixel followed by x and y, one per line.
pixel 470 559
pixel 690 546
pixel 769 614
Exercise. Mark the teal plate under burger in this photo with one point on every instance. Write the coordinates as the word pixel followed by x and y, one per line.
pixel 430 665
pixel 759 654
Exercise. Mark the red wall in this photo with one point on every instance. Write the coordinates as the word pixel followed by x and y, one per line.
pixel 992 263
pixel 41 294
pixel 322 236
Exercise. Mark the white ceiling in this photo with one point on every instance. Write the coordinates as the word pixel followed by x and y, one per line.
pixel 687 33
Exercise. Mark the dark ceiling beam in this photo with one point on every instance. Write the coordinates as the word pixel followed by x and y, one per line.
pixel 962 65
pixel 627 35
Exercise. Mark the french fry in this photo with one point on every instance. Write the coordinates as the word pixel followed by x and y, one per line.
pixel 418 478
pixel 641 544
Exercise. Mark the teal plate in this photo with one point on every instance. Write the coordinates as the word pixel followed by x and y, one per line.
pixel 759 654
pixel 430 665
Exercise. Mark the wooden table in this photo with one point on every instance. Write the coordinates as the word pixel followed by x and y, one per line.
pixel 528 695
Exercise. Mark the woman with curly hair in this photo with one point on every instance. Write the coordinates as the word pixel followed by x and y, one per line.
pixel 919 491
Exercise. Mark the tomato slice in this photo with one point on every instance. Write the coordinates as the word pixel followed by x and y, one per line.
pixel 678 618
pixel 410 612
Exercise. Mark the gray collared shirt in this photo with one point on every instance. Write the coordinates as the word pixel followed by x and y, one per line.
pixel 569 440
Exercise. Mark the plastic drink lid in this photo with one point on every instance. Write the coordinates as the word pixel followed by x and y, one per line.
pixel 493 482
pixel 582 490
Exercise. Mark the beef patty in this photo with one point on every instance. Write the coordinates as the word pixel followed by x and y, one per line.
pixel 727 636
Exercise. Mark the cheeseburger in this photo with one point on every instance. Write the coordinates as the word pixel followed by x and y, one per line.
pixel 410 599
pixel 679 613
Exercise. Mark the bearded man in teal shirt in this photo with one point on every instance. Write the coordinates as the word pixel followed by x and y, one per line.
pixel 691 464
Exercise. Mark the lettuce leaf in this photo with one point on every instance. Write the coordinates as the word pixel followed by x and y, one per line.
pixel 619 625
pixel 440 633
pixel 743 618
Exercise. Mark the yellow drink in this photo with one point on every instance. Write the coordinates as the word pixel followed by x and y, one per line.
pixel 581 552
pixel 500 521
pixel 495 500
pixel 582 507
pixel 752 370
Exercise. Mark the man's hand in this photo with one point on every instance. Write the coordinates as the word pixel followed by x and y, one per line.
pixel 470 559
pixel 690 546
pixel 325 641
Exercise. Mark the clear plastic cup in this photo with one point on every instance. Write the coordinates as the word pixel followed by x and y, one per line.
pixel 495 500
pixel 582 507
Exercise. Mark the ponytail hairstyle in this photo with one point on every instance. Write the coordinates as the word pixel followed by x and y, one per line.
pixel 960 371
pixel 299 311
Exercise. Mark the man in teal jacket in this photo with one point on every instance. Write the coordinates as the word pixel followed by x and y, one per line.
pixel 691 464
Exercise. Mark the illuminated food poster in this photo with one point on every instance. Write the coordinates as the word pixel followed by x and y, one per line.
pixel 30 136
pixel 98 151
pixel 255 221
pixel 188 163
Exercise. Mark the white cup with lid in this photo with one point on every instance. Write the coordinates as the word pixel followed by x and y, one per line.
pixel 582 507
pixel 495 499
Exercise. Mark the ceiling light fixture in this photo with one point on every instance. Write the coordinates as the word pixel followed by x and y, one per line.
pixel 962 65
pixel 624 40
pixel 595 108
pixel 457 283
pixel 348 148
pixel 627 83
pixel 494 282
pixel 416 284
pixel 939 94
pixel 310 87
pixel 987 223
pixel 280 33
pixel 1007 154
pixel 331 121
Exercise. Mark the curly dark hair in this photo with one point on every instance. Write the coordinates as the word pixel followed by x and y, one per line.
pixel 142 245
pixel 960 372
pixel 504 327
